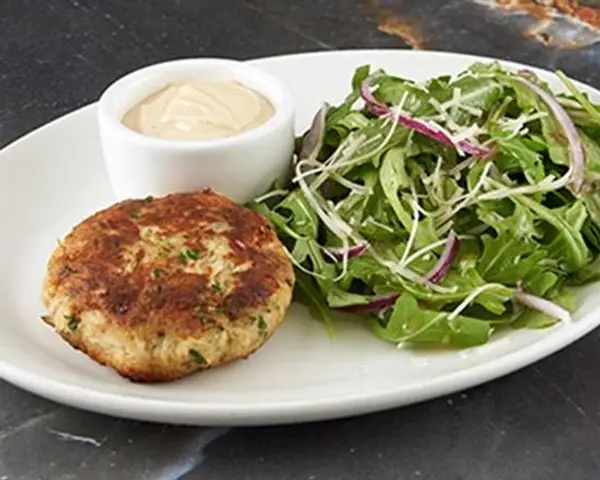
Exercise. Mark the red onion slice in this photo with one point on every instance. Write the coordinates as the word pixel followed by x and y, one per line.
pixel 542 305
pixel 313 141
pixel 376 304
pixel 422 127
pixel 442 267
pixel 436 275
pixel 378 108
pixel 337 254
pixel 576 150
pixel 382 110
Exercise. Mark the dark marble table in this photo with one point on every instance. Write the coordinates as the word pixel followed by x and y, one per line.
pixel 540 423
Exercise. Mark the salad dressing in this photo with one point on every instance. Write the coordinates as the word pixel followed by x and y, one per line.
pixel 199 111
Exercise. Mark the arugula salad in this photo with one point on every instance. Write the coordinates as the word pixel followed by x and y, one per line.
pixel 447 210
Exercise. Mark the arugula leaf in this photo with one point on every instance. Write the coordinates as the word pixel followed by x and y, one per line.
pixel 476 93
pixel 301 250
pixel 309 295
pixel 591 228
pixel 580 97
pixel 592 157
pixel 569 246
pixel 380 218
pixel 589 274
pixel 295 220
pixel 392 178
pixel 335 114
pixel 461 285
pixel 376 231
pixel 280 223
pixel 391 90
pixel 574 217
pixel 514 255
pixel 352 208
pixel 303 219
pixel 326 271
pixel 506 259
pixel 438 87
pixel 353 121
pixel 396 135
pixel 412 324
pixel 535 319
pixel 369 271
pixel 481 93
pixel 360 74
pixel 337 298
pixel 552 131
pixel 482 69
pixel 517 156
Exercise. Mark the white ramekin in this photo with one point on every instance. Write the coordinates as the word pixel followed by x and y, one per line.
pixel 239 167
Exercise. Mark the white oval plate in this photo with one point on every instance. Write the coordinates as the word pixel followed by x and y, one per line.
pixel 54 177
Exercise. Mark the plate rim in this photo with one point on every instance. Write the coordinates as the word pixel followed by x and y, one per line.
pixel 294 411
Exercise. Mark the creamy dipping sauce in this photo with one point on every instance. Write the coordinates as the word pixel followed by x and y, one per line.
pixel 199 111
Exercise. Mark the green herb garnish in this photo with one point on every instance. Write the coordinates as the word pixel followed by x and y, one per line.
pixel 192 253
pixel 158 272
pixel 261 324
pixel 65 271
pixel 72 322
pixel 196 357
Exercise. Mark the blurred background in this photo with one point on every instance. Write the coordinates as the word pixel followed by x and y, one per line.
pixel 56 55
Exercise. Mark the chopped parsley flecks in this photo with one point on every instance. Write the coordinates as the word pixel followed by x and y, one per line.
pixel 72 322
pixel 135 214
pixel 196 357
pixel 217 288
pixel 64 271
pixel 203 318
pixel 261 324
pixel 158 272
pixel 188 254
pixel 192 253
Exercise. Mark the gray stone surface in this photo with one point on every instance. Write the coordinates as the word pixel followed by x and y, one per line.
pixel 540 423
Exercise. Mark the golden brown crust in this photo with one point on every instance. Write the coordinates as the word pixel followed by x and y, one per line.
pixel 191 266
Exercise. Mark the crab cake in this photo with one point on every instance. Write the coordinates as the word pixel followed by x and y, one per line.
pixel 160 288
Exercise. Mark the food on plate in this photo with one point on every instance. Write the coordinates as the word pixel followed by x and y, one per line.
pixel 199 111
pixel 446 210
pixel 163 287
pixel 223 124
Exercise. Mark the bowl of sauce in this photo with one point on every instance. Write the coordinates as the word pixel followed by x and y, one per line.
pixel 200 111
pixel 185 125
